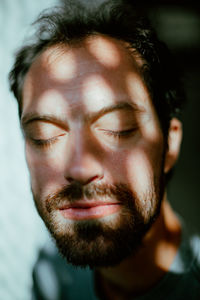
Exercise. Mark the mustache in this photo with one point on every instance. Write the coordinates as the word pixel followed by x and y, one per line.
pixel 76 191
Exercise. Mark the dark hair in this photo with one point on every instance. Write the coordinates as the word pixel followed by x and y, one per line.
pixel 122 20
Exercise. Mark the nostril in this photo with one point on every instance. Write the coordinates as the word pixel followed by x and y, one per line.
pixel 70 179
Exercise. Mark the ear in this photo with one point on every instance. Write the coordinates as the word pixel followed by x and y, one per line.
pixel 174 142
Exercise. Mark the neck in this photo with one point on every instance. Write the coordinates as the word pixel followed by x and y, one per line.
pixel 138 273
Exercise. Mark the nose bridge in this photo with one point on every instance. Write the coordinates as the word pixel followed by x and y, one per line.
pixel 84 165
pixel 81 150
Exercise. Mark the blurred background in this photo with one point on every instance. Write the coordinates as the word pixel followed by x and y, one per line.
pixel 21 231
pixel 178 24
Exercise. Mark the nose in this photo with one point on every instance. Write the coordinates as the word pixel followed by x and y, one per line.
pixel 84 165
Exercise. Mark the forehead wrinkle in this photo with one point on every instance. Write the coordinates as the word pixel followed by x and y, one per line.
pixel 59 62
pixel 104 50
pixel 61 65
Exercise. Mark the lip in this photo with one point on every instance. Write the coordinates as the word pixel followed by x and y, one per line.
pixel 85 210
pixel 87 204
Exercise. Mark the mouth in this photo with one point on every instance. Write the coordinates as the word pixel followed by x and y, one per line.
pixel 85 210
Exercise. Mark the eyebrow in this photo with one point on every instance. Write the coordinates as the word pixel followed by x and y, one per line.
pixel 34 116
pixel 90 117
pixel 115 107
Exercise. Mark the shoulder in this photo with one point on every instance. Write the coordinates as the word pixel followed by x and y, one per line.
pixel 186 268
pixel 194 246
pixel 182 281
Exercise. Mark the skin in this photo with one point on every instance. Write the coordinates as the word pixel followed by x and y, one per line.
pixel 101 128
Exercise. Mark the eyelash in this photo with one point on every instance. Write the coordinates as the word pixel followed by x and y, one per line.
pixel 44 143
pixel 119 134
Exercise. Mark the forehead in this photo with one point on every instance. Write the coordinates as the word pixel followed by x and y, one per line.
pixel 98 67
pixel 101 50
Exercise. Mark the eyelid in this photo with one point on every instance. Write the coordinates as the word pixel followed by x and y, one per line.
pixel 119 133
pixel 31 129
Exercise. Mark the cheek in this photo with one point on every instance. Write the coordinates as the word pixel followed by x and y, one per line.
pixel 138 166
pixel 139 171
pixel 46 172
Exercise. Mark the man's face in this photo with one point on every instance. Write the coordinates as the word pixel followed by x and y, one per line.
pixel 94 148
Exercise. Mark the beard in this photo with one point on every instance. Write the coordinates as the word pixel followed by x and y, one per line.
pixel 106 241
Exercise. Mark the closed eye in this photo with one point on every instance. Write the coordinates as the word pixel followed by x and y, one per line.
pixel 45 142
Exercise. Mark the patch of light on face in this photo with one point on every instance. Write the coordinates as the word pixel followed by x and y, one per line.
pixel 50 101
pixel 137 88
pixel 105 51
pixel 97 93
pixel 139 173
pixel 60 223
pixel 61 62
pixel 138 163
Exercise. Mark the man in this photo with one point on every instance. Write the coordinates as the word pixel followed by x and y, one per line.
pixel 99 104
